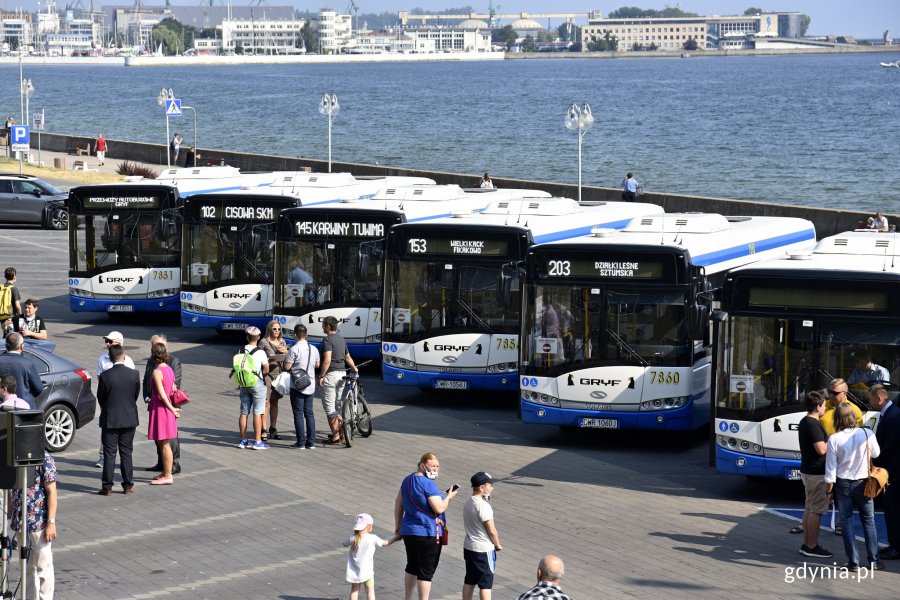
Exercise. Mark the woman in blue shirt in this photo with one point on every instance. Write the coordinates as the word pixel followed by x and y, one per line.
pixel 419 518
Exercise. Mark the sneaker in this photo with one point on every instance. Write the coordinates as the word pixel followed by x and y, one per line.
pixel 310 447
pixel 852 567
pixel 244 444
pixel 877 567
pixel 260 445
pixel 817 552
pixel 298 445
pixel 99 464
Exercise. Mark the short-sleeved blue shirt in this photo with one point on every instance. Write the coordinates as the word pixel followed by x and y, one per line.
pixel 415 491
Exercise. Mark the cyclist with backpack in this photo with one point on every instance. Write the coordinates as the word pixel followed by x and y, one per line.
pixel 249 367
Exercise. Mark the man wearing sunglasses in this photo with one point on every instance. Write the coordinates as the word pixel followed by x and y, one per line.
pixel 837 395
pixel 104 363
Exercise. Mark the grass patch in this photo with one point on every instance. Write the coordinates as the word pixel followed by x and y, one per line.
pixel 12 166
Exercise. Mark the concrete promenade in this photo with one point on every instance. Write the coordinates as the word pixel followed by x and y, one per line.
pixel 633 516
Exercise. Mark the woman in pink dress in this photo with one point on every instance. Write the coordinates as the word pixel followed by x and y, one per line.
pixel 163 414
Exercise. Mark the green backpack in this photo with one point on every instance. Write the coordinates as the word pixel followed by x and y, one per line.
pixel 243 369
pixel 6 307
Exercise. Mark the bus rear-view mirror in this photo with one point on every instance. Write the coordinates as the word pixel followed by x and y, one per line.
pixel 697 321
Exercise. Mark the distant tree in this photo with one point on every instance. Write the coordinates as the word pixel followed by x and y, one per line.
pixel 175 36
pixel 607 43
pixel 633 12
pixel 569 32
pixel 544 35
pixel 505 35
pixel 804 24
pixel 690 45
pixel 528 44
pixel 575 47
pixel 753 11
pixel 309 37
pixel 238 48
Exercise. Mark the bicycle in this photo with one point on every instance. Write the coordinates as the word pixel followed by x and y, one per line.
pixel 355 413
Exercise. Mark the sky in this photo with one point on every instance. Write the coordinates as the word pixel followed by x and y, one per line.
pixel 861 18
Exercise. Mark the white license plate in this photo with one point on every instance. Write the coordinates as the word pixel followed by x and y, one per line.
pixel 792 474
pixel 234 326
pixel 444 384
pixel 600 423
pixel 120 308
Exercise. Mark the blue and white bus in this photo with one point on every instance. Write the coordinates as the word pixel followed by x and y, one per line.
pixel 228 259
pixel 328 188
pixel 790 326
pixel 604 337
pixel 125 238
pixel 452 289
pixel 330 258
pixel 124 248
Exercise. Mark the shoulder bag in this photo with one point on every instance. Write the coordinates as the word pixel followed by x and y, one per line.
pixel 179 397
pixel 300 379
pixel 878 476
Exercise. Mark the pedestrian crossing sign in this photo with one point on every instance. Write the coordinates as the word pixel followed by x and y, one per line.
pixel 173 107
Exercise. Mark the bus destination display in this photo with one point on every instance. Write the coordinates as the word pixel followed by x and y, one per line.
pixel 238 212
pixel 604 269
pixel 340 229
pixel 457 247
pixel 136 201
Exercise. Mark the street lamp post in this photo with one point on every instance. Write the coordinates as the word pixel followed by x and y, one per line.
pixel 329 107
pixel 26 89
pixel 579 120
pixel 166 94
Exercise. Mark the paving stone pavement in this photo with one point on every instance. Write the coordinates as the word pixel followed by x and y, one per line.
pixel 632 515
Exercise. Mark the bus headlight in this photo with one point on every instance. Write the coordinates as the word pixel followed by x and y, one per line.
pixel 80 293
pixel 194 308
pixel 163 293
pixel 665 403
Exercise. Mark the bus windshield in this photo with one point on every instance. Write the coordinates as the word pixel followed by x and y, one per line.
pixel 218 253
pixel 431 297
pixel 101 242
pixel 330 273
pixel 603 326
pixel 772 362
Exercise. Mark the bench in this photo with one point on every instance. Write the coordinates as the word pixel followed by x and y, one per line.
pixel 81 165
pixel 78 148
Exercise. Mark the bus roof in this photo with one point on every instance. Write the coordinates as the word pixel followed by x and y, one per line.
pixel 865 254
pixel 711 240
pixel 547 219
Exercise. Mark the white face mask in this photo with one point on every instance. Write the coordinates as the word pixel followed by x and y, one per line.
pixel 430 474
pixel 487 497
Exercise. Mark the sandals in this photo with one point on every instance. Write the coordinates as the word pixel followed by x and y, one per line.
pixel 273 433
pixel 797 529
pixel 264 436
pixel 838 530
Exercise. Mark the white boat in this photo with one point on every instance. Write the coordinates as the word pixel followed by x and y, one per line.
pixel 895 63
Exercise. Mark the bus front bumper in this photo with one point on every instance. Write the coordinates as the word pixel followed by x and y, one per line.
pixel 169 304
pixel 431 380
pixel 677 419
pixel 237 323
pixel 751 465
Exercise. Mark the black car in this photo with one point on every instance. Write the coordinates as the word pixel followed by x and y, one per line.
pixel 67 400
pixel 27 199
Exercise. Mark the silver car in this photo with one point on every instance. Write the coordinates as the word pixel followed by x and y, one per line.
pixel 27 199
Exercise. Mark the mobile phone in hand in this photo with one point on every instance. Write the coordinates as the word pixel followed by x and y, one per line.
pixel 453 488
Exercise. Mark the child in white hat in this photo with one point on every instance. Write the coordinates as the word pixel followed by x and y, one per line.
pixel 361 559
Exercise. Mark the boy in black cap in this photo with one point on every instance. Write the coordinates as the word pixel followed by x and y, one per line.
pixel 482 540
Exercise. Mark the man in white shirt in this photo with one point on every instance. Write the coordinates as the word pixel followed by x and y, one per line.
pixel 482 540
pixel 303 356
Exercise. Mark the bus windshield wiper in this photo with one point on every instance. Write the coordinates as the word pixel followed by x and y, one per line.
pixel 469 310
pixel 343 281
pixel 622 343
pixel 136 255
pixel 253 268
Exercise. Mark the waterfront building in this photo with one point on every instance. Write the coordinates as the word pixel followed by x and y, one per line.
pixel 718 32
pixel 16 29
pixel 261 36
pixel 453 40
pixel 334 31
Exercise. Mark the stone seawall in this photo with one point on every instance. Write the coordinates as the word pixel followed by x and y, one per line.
pixel 828 221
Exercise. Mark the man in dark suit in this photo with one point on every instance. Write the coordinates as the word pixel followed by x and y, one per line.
pixel 117 395
pixel 888 436
pixel 148 381
pixel 28 380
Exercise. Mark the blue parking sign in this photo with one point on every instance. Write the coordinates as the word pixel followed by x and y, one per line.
pixel 21 136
